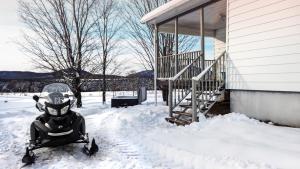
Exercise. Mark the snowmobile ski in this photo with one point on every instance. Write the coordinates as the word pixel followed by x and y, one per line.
pixel 29 157
pixel 92 150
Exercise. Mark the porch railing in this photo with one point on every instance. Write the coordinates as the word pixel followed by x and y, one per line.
pixel 166 65
pixel 206 86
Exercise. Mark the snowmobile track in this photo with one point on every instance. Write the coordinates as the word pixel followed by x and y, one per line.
pixel 118 145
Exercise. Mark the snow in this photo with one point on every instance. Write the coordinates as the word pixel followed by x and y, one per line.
pixel 139 138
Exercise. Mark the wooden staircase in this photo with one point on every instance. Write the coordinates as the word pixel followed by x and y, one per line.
pixel 183 114
pixel 189 96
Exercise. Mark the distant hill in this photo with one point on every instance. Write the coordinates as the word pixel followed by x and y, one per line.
pixel 143 74
pixel 27 75
pixel 17 81
pixel 18 75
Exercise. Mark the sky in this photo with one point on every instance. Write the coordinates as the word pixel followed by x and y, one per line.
pixel 11 57
pixel 10 32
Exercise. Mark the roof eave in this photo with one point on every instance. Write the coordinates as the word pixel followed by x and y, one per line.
pixel 153 17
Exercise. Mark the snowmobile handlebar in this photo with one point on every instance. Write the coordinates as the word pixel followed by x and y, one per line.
pixel 36 98
pixel 40 107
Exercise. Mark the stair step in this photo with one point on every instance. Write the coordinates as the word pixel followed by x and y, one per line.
pixel 185 106
pixel 205 110
pixel 183 113
pixel 209 115
pixel 216 94
pixel 190 99
pixel 178 121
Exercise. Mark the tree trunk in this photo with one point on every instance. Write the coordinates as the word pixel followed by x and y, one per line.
pixel 78 97
pixel 78 92
pixel 104 86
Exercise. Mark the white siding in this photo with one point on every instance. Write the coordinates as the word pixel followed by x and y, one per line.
pixel 220 38
pixel 264 45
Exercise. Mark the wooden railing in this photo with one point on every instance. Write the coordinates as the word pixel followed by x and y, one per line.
pixel 166 65
pixel 181 84
pixel 206 86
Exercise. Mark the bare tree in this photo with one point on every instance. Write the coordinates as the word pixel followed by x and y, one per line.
pixel 141 35
pixel 61 38
pixel 108 26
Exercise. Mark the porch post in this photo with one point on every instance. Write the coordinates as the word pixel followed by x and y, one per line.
pixel 202 37
pixel 176 45
pixel 156 54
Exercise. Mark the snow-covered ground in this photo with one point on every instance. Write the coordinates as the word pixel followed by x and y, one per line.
pixel 138 137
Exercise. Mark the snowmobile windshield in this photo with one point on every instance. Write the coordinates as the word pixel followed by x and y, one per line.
pixel 57 88
pixel 57 98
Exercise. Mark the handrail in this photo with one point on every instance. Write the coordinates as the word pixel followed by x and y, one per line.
pixel 180 85
pixel 207 85
pixel 184 69
pixel 197 78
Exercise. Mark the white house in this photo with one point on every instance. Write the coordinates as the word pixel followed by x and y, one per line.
pixel 260 67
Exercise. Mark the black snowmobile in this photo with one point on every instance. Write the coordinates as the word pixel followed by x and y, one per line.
pixel 59 125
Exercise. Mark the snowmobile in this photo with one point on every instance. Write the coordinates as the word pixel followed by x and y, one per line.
pixel 58 125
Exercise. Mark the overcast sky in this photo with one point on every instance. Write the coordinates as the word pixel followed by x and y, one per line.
pixel 11 31
pixel 11 27
pixel 12 59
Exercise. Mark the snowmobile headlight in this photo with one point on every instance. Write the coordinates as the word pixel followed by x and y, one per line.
pixel 64 110
pixel 52 111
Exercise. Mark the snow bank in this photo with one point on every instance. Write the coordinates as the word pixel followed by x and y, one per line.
pixel 230 141
pixel 139 138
